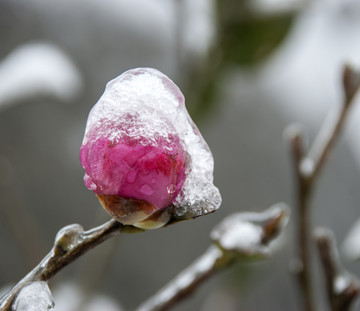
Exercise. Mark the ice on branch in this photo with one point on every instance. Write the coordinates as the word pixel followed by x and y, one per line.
pixel 34 297
pixel 239 236
pixel 249 234
pixel 143 155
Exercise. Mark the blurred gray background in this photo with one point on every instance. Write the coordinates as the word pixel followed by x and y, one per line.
pixel 247 70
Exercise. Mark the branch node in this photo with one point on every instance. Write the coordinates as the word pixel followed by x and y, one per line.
pixel 342 287
pixel 67 238
pixel 351 82
pixel 248 235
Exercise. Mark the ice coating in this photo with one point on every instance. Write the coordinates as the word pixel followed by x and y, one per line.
pixel 35 296
pixel 153 171
pixel 141 143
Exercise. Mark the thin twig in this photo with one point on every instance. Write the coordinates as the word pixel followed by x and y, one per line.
pixel 71 242
pixel 307 170
pixel 342 287
pixel 210 262
pixel 239 236
pixel 326 138
pixel 333 125
pixel 303 179
pixel 303 197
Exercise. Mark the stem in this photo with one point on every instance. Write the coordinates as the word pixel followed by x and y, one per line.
pixel 211 261
pixel 71 242
pixel 303 197
pixel 307 170
pixel 230 242
pixel 342 288
pixel 326 138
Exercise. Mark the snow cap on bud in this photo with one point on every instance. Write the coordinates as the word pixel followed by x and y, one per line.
pixel 142 154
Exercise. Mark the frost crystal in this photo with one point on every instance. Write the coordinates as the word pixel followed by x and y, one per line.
pixel 140 143
pixel 250 234
pixel 34 297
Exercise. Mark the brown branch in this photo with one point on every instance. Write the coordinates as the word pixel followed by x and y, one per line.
pixel 332 127
pixel 238 236
pixel 186 282
pixel 342 287
pixel 70 243
pixel 307 170
pixel 303 196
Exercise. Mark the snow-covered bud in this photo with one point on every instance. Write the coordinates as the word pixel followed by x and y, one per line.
pixel 142 154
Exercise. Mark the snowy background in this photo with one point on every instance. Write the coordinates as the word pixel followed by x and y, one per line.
pixel 55 59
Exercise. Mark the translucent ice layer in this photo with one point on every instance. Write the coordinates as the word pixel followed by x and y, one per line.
pixel 34 297
pixel 141 144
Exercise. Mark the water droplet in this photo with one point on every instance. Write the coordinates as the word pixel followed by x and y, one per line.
pixel 153 181
pixel 171 189
pixel 146 189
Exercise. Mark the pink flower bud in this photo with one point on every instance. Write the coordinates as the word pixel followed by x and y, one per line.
pixel 135 150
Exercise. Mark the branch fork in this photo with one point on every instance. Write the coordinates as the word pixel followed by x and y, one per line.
pixel 308 166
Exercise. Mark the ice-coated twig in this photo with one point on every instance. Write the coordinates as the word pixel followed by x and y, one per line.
pixel 303 220
pixel 307 169
pixel 342 287
pixel 187 281
pixel 239 236
pixel 70 243
pixel 333 125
